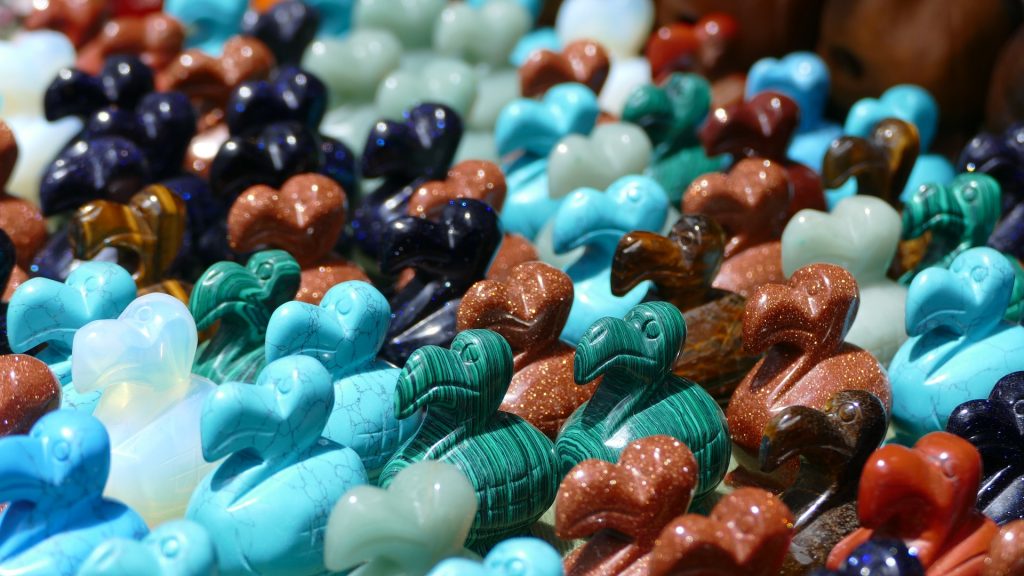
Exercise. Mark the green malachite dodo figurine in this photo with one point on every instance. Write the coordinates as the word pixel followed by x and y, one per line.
pixel 461 388
pixel 242 298
pixel 640 396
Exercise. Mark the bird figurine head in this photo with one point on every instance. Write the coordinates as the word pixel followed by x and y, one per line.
pixel 249 293
pixel 177 548
pixel 470 378
pixel 643 345
pixel 589 217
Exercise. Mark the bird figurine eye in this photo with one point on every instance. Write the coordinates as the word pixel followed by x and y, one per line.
pixel 470 353
pixel 61 450
pixel 144 314
pixel 284 386
pixel 1018 407
pixel 979 273
pixel 970 193
pixel 849 412
pixel 170 547
pixel 652 329
pixel 515 567
pixel 265 271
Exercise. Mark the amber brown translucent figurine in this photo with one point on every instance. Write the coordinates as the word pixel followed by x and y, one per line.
pixel 18 218
pixel 1006 554
pixel 880 163
pixel 583 61
pixel 682 267
pixel 156 38
pixel 79 20
pixel 147 234
pixel 623 507
pixel 751 203
pixel 925 496
pixel 800 327
pixel 763 127
pixel 28 389
pixel 304 218
pixel 833 444
pixel 871 45
pixel 476 180
pixel 529 309
pixel 747 533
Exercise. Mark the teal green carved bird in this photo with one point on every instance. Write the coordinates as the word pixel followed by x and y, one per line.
pixel 242 298
pixel 511 465
pixel 640 396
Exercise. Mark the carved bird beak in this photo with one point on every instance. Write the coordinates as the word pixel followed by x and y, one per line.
pixel 608 341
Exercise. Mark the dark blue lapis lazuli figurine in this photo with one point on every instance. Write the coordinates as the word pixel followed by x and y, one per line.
pixel 286 28
pixel 996 428
pixel 1001 156
pixel 448 257
pixel 54 479
pixel 881 557
pixel 405 153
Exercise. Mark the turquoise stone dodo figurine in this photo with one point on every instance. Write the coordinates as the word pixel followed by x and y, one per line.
pixel 462 388
pixel 640 396
pixel 345 333
pixel 44 311
pixel 959 344
pixel 513 557
pixel 596 221
pixel 177 548
pixel 267 504
pixel 209 22
pixel 53 479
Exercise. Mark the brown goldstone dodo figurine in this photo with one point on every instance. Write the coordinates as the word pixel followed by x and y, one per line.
pixel 751 203
pixel 529 309
pixel 583 61
pixel 800 328
pixel 746 533
pixel 682 267
pixel 623 507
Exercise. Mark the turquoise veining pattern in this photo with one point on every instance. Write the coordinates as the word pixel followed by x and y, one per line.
pixel 53 479
pixel 513 557
pixel 671 114
pixel 959 345
pixel 47 312
pixel 597 221
pixel 529 130
pixel 269 501
pixel 345 333
pixel 242 298
pixel 461 388
pixel 959 216
pixel 177 548
pixel 640 396
pixel 804 77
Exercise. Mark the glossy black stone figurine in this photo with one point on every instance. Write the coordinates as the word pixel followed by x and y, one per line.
pixel 122 83
pixel 833 446
pixel 448 256
pixel 881 557
pixel 292 95
pixel 275 153
pixel 286 28
pixel 996 428
pixel 405 153
pixel 7 260
pixel 1001 156
pixel 106 168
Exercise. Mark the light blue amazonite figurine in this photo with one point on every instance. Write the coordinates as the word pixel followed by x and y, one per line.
pixel 150 402
pixel 47 312
pixel 959 345
pixel 804 77
pixel 53 481
pixel 267 504
pixel 510 464
pixel 208 23
pixel 177 548
pixel 596 221
pixel 513 557
pixel 525 133
pixel 422 518
pixel 345 333
pixel 639 395
pixel 909 103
